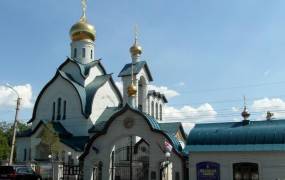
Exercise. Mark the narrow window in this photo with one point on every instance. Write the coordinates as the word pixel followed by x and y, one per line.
pixel 75 53
pixel 152 108
pixel 63 156
pixel 25 154
pixel 83 52
pixel 53 110
pixel 58 108
pixel 91 55
pixel 156 110
pixel 30 154
pixel 64 110
pixel 160 111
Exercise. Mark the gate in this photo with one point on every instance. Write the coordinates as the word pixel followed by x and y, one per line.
pixel 72 172
pixel 130 163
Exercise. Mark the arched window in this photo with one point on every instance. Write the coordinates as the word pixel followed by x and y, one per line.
pixel 160 111
pixel 64 110
pixel 141 93
pixel 74 52
pixel 58 109
pixel 156 110
pixel 245 171
pixel 91 54
pixel 83 52
pixel 152 108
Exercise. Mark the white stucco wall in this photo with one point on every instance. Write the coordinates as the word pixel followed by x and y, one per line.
pixel 127 82
pixel 106 96
pixel 75 122
pixel 271 164
pixel 117 131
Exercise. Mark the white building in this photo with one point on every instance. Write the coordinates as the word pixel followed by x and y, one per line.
pixel 96 126
pixel 113 136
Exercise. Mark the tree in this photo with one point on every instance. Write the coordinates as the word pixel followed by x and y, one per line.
pixel 6 133
pixel 50 138
pixel 4 148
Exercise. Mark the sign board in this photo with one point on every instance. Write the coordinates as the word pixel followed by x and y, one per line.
pixel 208 171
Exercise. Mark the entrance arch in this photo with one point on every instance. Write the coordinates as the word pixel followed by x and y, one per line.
pixel 111 143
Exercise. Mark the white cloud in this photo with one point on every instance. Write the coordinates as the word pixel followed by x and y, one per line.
pixel 8 97
pixel 189 115
pixel 169 93
pixel 275 105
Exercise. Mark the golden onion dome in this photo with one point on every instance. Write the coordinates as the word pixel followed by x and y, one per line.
pixel 136 49
pixel 132 90
pixel 82 30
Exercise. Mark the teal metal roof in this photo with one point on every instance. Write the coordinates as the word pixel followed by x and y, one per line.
pixel 127 70
pixel 170 127
pixel 234 148
pixel 237 136
pixel 76 142
pixel 103 118
pixel 87 94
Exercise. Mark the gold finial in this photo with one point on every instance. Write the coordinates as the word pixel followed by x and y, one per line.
pixel 136 49
pixel 84 7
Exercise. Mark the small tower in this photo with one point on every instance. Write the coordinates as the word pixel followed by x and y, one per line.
pixel 83 36
pixel 245 114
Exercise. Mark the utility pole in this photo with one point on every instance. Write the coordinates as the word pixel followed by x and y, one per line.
pixel 14 125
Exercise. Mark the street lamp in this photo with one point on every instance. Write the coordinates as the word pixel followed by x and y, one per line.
pixel 69 158
pixel 167 155
pixel 50 160
pixel 15 123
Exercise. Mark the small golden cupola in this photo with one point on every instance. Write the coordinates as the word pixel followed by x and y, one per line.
pixel 132 90
pixel 136 50
pixel 82 30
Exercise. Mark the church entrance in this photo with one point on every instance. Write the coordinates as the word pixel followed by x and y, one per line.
pixel 130 159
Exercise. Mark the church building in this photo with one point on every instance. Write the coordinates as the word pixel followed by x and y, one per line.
pixel 81 117
pixel 81 121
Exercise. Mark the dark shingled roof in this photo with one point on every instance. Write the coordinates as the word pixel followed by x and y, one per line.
pixel 237 136
pixel 127 70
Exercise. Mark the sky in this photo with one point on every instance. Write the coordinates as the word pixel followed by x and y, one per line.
pixel 204 55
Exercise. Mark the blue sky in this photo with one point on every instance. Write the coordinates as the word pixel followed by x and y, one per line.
pixel 207 51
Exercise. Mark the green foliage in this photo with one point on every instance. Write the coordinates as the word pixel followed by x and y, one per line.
pixel 4 148
pixel 50 138
pixel 6 134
